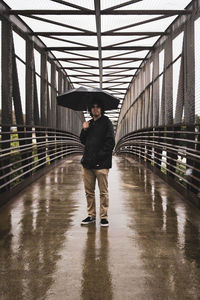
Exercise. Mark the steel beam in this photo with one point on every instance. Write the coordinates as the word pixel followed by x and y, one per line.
pixel 168 85
pixel 29 83
pixel 133 59
pixel 16 92
pixel 43 93
pixel 180 93
pixel 29 12
pixel 155 89
pixel 6 59
pixel 53 96
pixel 189 74
pixel 89 48
pixel 68 33
pixel 98 27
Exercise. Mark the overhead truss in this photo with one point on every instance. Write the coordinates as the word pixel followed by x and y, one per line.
pixel 89 64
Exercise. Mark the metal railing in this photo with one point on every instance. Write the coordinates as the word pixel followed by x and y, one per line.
pixel 173 150
pixel 24 150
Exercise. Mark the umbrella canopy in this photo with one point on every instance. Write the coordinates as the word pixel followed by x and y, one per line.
pixel 82 97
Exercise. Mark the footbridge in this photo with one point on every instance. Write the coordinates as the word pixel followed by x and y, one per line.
pixel 146 53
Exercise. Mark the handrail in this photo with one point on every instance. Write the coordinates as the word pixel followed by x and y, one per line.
pixel 172 151
pixel 35 149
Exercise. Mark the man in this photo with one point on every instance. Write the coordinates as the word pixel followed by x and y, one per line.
pixel 97 135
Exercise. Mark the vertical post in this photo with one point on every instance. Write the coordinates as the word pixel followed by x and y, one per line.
pixel 65 110
pixel 58 111
pixel 59 116
pixel 136 114
pixel 48 104
pixel 29 103
pixel 155 89
pixel 52 136
pixel 36 106
pixel 180 95
pixel 143 110
pixel 36 114
pixel 189 87
pixel 162 108
pixel 16 94
pixel 29 82
pixel 49 133
pixel 168 100
pixel 168 82
pixel 53 95
pixel 189 75
pixel 43 89
pixel 7 74
pixel 64 113
pixel 43 109
pixel 6 114
pixel 18 112
pixel 158 150
pixel 155 100
pixel 150 118
pixel 147 94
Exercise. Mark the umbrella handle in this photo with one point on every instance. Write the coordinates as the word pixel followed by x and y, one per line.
pixel 87 109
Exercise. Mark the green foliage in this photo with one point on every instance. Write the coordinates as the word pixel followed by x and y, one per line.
pixel 15 158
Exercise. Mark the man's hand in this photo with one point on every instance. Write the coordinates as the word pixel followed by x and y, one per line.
pixel 86 125
pixel 84 132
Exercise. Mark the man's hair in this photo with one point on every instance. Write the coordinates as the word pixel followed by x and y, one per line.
pixel 100 104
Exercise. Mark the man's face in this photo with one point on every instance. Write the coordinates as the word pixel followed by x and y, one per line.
pixel 96 110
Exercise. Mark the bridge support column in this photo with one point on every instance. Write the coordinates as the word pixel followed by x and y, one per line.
pixel 7 89
pixel 189 86
pixel 29 103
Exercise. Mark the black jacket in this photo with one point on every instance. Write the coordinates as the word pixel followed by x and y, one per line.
pixel 99 142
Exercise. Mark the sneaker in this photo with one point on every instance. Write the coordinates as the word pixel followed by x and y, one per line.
pixel 104 222
pixel 88 220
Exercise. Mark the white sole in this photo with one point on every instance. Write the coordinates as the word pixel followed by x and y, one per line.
pixel 104 225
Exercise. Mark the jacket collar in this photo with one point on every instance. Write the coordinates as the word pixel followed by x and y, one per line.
pixel 97 119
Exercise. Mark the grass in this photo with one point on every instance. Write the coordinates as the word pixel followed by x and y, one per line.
pixel 16 157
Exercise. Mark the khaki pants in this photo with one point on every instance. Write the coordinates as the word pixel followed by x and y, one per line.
pixel 89 178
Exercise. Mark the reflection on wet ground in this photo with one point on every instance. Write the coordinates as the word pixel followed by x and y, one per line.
pixel 151 250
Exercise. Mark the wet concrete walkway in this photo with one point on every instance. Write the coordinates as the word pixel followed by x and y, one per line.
pixel 151 250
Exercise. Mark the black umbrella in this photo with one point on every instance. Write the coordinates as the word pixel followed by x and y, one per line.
pixel 82 97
